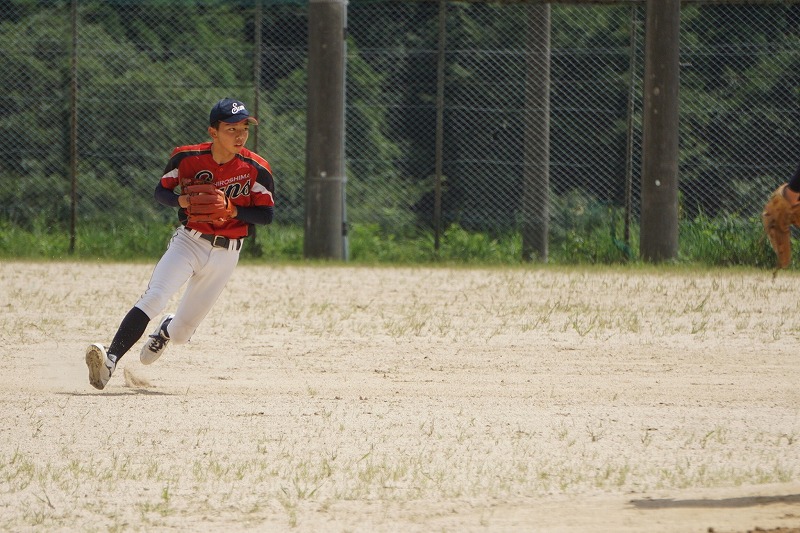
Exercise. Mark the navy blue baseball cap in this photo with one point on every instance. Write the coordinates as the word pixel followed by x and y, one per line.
pixel 230 111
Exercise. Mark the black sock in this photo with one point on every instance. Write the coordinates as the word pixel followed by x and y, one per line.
pixel 130 330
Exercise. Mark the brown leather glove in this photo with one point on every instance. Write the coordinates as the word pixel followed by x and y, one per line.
pixel 211 207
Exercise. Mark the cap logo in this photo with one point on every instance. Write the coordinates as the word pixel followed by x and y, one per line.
pixel 236 108
pixel 204 176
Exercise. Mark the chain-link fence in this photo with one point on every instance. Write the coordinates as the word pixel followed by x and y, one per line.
pixel 140 77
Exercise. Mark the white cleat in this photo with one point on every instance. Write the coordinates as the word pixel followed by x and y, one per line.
pixel 101 366
pixel 156 343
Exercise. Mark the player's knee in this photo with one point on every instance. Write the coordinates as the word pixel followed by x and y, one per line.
pixel 179 333
pixel 152 305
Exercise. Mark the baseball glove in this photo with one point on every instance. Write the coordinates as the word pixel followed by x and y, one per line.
pixel 205 203
pixel 778 216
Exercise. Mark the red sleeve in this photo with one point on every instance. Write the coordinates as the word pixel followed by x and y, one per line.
pixel 262 192
pixel 263 189
pixel 171 177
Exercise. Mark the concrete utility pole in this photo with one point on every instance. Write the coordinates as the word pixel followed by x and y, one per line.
pixel 659 232
pixel 325 224
pixel 536 157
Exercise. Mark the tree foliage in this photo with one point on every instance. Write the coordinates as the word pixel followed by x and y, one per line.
pixel 148 72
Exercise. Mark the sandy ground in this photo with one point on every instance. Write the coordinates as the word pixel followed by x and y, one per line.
pixel 407 399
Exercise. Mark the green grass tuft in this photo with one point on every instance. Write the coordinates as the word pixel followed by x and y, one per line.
pixel 720 241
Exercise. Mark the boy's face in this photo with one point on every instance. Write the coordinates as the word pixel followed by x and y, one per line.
pixel 231 136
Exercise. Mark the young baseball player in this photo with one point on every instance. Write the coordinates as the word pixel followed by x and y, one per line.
pixel 220 189
pixel 779 215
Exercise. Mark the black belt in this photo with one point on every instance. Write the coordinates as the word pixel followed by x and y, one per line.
pixel 219 241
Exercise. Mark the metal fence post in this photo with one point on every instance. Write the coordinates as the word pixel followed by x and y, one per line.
pixel 257 46
pixel 437 200
pixel 629 126
pixel 73 124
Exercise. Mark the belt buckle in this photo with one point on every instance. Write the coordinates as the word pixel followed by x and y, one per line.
pixel 223 239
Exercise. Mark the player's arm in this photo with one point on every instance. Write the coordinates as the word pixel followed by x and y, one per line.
pixel 166 196
pixel 260 214
pixel 165 188
pixel 262 209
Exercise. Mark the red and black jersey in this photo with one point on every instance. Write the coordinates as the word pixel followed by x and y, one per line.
pixel 246 180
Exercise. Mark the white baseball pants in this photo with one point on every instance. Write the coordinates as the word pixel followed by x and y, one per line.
pixel 207 269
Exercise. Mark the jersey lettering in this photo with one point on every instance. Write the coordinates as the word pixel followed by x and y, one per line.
pixel 240 177
pixel 232 190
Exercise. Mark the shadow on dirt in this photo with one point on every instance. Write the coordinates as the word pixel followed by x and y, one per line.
pixel 747 501
pixel 130 392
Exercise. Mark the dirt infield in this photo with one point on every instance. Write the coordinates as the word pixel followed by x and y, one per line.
pixel 407 399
